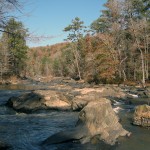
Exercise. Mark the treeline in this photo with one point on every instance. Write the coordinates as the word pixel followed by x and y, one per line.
pixel 44 61
pixel 114 49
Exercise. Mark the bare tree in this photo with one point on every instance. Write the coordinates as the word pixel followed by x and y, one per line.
pixel 7 6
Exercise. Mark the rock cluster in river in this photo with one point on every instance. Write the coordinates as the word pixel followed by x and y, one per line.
pixel 62 95
pixel 142 116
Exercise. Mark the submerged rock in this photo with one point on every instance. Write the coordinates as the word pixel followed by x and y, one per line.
pixel 96 119
pixel 40 99
pixel 142 116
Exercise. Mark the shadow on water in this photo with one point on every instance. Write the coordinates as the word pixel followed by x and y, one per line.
pixel 75 145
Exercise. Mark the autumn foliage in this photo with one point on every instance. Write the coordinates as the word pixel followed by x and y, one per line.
pixel 114 49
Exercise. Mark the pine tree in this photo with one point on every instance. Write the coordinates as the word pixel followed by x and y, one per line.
pixel 75 36
pixel 15 40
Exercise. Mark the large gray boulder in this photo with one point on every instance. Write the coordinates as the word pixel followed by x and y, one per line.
pixel 142 116
pixel 96 119
pixel 40 99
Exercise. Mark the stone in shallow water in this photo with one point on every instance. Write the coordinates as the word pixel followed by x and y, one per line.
pixel 142 116
pixel 96 119
pixel 101 121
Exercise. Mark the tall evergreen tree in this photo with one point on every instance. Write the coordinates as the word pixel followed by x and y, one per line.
pixel 15 39
pixel 75 36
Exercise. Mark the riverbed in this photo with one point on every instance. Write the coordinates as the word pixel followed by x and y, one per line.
pixel 26 131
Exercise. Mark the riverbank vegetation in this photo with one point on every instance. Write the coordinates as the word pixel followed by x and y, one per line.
pixel 114 49
pixel 13 48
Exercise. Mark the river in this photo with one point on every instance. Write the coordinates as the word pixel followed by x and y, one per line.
pixel 26 131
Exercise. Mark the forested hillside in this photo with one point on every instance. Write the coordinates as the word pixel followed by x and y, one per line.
pixel 114 49
pixel 43 61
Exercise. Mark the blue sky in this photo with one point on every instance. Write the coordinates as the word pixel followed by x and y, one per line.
pixel 50 17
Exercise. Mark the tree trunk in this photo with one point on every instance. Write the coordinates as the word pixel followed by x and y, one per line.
pixel 76 55
pixel 141 54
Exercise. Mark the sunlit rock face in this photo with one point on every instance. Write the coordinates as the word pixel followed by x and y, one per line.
pixel 95 94
pixel 96 119
pixel 142 116
pixel 101 121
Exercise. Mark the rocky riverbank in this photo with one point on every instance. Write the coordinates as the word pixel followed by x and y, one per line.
pixel 68 94
pixel 65 94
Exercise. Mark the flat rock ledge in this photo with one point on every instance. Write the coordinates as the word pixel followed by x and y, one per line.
pixel 142 116
pixel 60 98
pixel 39 100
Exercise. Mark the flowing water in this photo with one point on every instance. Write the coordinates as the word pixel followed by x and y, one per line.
pixel 27 131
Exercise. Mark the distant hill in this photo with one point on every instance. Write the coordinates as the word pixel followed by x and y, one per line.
pixel 51 50
pixel 41 60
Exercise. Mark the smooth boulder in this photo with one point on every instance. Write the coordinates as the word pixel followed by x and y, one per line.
pixel 38 100
pixel 96 119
